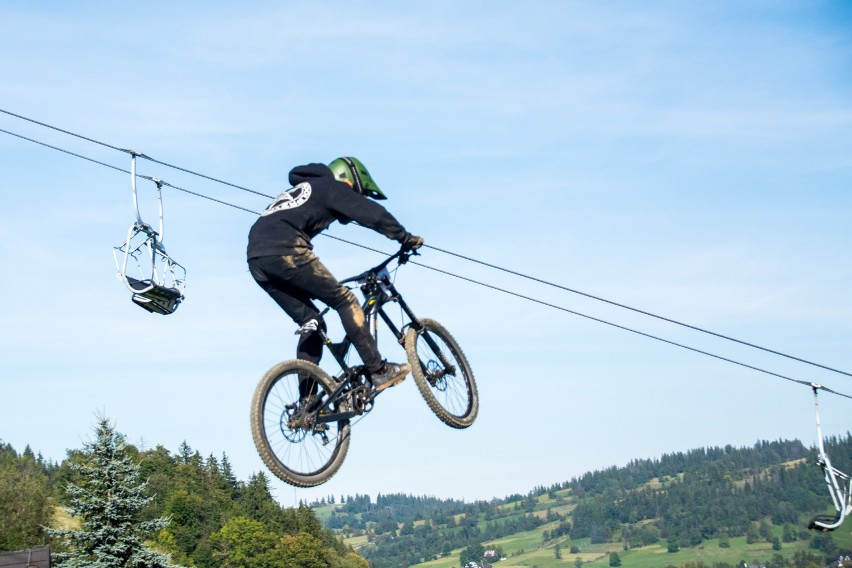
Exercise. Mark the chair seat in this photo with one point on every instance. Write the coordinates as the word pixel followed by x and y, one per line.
pixel 158 299
pixel 823 523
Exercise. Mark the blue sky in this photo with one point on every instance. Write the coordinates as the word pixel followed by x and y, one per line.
pixel 690 160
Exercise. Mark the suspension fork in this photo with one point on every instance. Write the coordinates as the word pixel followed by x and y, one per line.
pixel 415 324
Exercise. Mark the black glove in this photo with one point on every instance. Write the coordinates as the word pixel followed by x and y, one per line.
pixel 412 242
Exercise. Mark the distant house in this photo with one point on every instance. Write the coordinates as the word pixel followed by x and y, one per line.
pixel 32 558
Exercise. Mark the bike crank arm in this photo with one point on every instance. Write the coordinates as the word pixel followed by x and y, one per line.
pixel 365 405
pixel 335 417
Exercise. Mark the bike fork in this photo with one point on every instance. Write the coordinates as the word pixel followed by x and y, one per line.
pixel 449 368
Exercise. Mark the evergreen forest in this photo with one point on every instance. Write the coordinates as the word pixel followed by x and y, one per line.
pixel 712 497
pixel 190 510
pixel 704 508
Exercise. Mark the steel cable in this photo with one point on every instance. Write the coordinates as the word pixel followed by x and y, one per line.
pixel 639 311
pixel 599 320
pixel 470 259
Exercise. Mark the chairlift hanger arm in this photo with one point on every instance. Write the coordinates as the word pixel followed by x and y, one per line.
pixel 839 484
pixel 158 182
pixel 159 285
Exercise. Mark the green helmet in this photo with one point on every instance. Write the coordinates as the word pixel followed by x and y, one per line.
pixel 352 171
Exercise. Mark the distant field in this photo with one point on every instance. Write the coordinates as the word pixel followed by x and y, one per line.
pixel 448 562
pixel 655 556
pixel 528 549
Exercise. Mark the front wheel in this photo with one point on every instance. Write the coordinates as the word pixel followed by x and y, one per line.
pixel 297 447
pixel 442 374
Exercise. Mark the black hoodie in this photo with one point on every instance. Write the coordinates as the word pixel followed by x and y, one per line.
pixel 314 202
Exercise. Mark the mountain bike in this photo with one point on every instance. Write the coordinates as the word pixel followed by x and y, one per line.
pixel 301 417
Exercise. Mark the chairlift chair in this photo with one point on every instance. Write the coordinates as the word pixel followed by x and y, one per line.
pixel 839 483
pixel 159 281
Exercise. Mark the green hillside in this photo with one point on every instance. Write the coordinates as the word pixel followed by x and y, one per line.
pixel 713 507
pixel 212 519
pixel 706 508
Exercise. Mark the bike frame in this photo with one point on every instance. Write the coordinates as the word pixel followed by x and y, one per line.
pixel 378 291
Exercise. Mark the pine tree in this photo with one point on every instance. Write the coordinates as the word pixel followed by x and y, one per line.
pixel 24 500
pixel 107 498
pixel 228 474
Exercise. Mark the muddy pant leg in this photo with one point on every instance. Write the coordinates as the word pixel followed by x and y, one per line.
pixel 294 281
pixel 325 287
pixel 355 324
pixel 271 274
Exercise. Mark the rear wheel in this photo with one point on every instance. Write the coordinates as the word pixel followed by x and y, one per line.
pixel 291 442
pixel 442 374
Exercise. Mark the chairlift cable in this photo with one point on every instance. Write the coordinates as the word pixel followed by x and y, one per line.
pixel 469 259
pixel 64 151
pixel 207 197
pixel 207 177
pixel 639 311
pixel 554 306
pixel 110 146
pixel 68 132
pixel 124 171
pixel 599 320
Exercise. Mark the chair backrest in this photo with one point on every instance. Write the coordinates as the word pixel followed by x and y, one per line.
pixel 158 281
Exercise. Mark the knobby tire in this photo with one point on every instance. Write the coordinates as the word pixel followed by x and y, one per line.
pixel 295 456
pixel 452 397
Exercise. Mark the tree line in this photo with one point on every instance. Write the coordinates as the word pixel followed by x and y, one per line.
pixel 214 519
pixel 403 530
pixel 681 499
pixel 156 509
pixel 718 492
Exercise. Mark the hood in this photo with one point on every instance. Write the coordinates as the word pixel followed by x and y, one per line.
pixel 308 172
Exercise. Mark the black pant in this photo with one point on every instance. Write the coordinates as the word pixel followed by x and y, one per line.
pixel 294 282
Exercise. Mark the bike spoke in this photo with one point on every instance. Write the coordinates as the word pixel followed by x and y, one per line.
pixel 442 371
pixel 302 450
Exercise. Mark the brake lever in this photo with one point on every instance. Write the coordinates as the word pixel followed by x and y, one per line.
pixel 404 255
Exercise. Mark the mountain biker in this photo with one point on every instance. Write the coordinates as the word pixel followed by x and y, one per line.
pixel 282 262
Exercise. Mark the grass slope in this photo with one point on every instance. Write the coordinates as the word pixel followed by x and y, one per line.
pixel 529 548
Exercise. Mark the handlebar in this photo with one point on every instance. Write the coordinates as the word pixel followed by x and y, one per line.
pixel 402 255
